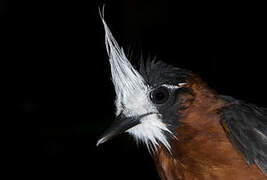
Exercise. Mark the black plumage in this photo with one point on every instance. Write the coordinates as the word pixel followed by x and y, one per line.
pixel 157 72
pixel 247 129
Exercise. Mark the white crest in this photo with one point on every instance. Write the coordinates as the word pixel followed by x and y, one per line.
pixel 132 95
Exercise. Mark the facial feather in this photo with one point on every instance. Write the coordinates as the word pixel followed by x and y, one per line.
pixel 132 96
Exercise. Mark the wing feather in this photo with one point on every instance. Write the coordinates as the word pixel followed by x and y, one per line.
pixel 247 124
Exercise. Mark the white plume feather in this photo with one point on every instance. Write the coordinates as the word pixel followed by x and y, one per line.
pixel 132 95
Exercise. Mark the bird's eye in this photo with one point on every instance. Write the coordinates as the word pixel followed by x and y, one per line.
pixel 159 95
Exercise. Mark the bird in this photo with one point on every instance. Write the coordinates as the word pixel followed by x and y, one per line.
pixel 190 130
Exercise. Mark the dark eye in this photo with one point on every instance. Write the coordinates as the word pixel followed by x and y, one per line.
pixel 159 95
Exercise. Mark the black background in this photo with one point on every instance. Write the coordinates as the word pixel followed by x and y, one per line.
pixel 56 78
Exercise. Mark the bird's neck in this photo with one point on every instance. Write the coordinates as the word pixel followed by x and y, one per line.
pixel 202 150
pixel 199 131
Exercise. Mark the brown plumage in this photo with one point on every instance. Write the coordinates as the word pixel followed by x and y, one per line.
pixel 202 149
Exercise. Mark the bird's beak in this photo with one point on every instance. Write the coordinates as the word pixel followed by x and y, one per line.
pixel 120 125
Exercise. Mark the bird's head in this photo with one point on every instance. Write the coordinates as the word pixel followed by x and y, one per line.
pixel 147 100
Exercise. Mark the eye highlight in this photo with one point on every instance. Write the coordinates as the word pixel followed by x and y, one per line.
pixel 159 95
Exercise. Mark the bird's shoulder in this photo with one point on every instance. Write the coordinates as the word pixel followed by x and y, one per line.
pixel 246 127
